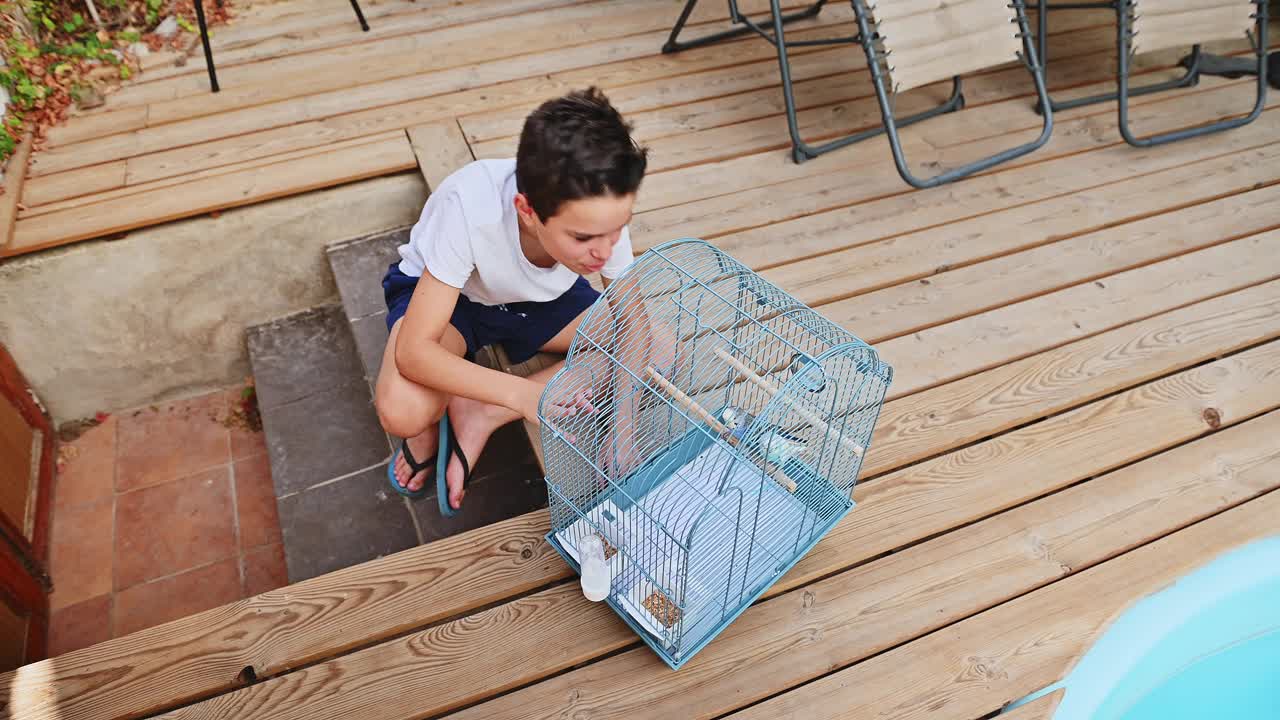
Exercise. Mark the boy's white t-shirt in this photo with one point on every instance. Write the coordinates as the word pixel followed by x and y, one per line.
pixel 468 237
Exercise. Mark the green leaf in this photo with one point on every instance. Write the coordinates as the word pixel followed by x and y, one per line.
pixel 44 20
pixel 129 36
pixel 77 19
pixel 185 24
pixel 124 72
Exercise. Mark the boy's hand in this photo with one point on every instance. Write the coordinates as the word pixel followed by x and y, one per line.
pixel 556 407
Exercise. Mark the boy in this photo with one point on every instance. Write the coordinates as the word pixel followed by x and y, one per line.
pixel 498 256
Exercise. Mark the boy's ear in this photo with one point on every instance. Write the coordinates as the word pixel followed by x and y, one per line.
pixel 523 207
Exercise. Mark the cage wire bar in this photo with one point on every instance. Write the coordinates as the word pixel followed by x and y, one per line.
pixel 710 429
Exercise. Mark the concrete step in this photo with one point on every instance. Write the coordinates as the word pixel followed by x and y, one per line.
pixel 358 267
pixel 329 455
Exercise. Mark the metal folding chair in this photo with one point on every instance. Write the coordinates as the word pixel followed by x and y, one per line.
pixel 1187 79
pixel 925 41
pixel 208 50
pixel 800 149
pixel 1149 25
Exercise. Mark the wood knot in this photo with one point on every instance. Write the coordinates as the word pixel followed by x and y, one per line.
pixel 247 676
pixel 526 553
pixel 1212 418
pixel 809 599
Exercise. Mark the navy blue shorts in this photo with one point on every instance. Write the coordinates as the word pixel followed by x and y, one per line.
pixel 522 328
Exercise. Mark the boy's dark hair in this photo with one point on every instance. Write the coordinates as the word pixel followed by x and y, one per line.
pixel 574 147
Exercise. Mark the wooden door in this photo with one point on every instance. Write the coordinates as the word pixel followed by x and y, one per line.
pixel 26 477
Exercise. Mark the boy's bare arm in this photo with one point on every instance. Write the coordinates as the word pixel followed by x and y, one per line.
pixel 421 357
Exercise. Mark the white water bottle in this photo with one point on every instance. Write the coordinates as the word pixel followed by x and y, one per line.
pixel 595 571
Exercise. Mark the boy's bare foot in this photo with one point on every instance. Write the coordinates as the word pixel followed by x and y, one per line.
pixel 422 447
pixel 471 423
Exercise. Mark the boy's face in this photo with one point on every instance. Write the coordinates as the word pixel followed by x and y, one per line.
pixel 582 234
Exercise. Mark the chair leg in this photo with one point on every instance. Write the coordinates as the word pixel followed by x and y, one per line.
pixel 801 150
pixel 355 5
pixel 891 125
pixel 204 40
pixel 674 45
pixel 1124 36
pixel 1188 79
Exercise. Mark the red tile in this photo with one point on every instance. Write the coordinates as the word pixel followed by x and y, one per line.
pixel 80 625
pixel 153 603
pixel 156 445
pixel 245 442
pixel 265 569
pixel 80 557
pixel 174 527
pixel 256 503
pixel 89 473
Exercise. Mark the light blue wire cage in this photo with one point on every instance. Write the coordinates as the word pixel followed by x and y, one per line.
pixel 710 428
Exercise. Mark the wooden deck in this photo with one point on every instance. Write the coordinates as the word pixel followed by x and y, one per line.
pixel 1086 345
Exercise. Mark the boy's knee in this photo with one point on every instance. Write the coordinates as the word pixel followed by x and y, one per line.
pixel 402 419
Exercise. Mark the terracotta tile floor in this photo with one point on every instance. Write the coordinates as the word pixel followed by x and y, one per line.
pixel 160 512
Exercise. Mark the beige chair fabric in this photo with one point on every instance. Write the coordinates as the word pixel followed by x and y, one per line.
pixel 1164 24
pixel 932 40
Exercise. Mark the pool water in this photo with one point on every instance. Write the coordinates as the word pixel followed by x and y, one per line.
pixel 1206 647
pixel 1242 681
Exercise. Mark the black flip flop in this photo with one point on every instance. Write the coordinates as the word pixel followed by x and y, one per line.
pixel 415 468
pixel 442 466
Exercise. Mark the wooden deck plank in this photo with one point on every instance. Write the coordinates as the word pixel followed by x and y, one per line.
pixel 1053 170
pixel 308 35
pixel 818 215
pixel 924 253
pixel 213 193
pixel 91 180
pixel 826 624
pixel 674 106
pixel 1024 645
pixel 392 71
pixel 915 306
pixel 178 181
pixel 645 103
pixel 964 411
pixel 79 128
pixel 803 634
pixel 140 172
pixel 150 650
pixel 14 180
pixel 860 112
pixel 451 45
pixel 132 168
pixel 440 148
pixel 963 347
pixel 146 168
pixel 434 96
pixel 154 669
pixel 137 167
pixel 772 167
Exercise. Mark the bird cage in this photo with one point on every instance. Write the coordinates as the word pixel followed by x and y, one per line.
pixel 706 430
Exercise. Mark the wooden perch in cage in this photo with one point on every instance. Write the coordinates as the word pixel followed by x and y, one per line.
pixel 701 413
pixel 772 390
